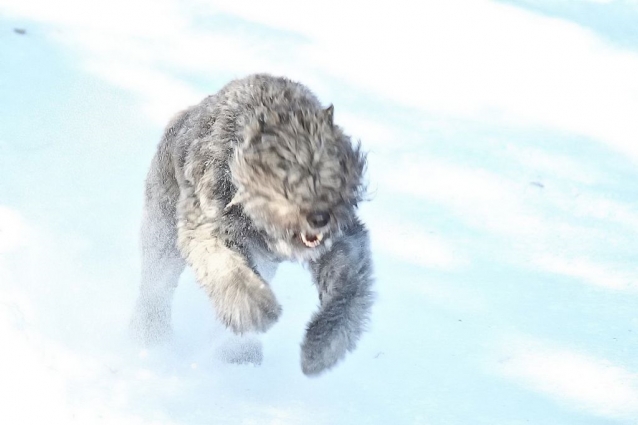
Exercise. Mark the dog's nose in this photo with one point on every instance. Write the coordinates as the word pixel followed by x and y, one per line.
pixel 318 218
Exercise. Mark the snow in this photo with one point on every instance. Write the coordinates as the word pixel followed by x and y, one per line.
pixel 503 212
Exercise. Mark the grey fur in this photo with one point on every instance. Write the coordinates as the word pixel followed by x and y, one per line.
pixel 229 192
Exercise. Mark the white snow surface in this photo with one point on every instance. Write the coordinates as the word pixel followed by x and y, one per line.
pixel 503 155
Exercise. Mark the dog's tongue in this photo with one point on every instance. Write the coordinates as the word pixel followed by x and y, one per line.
pixel 311 241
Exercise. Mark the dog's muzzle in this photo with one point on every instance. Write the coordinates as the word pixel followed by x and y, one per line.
pixel 310 240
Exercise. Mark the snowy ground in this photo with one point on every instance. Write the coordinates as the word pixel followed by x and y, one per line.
pixel 503 145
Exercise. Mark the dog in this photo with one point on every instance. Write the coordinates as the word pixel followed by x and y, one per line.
pixel 254 175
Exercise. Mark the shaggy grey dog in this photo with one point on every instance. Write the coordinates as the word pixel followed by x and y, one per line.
pixel 256 174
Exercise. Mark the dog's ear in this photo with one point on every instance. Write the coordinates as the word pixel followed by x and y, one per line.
pixel 329 114
pixel 261 117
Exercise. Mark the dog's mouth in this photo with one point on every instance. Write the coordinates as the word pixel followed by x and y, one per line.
pixel 310 240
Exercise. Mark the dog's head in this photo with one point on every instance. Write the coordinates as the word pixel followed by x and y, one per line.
pixel 298 178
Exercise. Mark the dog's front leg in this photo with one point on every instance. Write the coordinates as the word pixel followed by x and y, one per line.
pixel 344 278
pixel 243 301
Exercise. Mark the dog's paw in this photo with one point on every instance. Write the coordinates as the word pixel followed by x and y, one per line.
pixel 325 344
pixel 249 308
pixel 150 325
